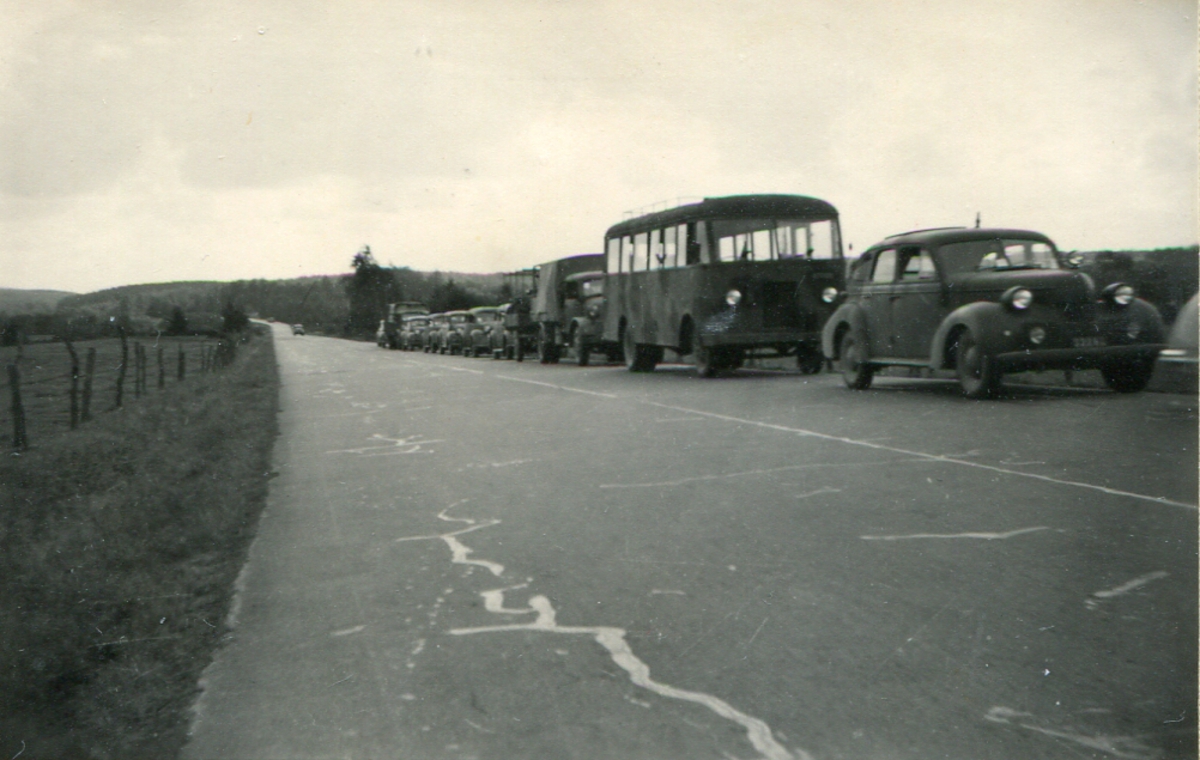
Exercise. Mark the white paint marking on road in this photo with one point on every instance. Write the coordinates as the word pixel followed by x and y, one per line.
pixel 667 591
pixel 349 631
pixel 556 387
pixel 478 727
pixel 1124 588
pixel 613 639
pixel 924 456
pixel 460 552
pixel 638 702
pixel 405 445
pixel 1125 747
pixel 464 369
pixel 825 489
pixel 983 536
pixel 756 631
pixel 743 473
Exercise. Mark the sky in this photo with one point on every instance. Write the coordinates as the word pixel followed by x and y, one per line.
pixel 154 142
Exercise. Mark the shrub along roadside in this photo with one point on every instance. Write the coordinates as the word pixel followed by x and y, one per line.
pixel 119 546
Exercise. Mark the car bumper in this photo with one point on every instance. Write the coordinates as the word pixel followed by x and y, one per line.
pixel 762 339
pixel 1075 358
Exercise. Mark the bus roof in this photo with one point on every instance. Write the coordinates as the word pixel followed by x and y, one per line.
pixel 728 207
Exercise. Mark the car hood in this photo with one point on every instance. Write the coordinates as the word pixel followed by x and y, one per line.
pixel 1049 286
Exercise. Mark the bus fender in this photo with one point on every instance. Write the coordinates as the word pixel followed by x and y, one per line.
pixel 848 317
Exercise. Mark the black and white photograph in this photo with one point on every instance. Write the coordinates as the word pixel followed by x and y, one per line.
pixel 614 380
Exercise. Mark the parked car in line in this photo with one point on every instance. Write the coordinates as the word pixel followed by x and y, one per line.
pixel 1178 361
pixel 479 336
pixel 432 334
pixel 984 302
pixel 393 324
pixel 452 335
pixel 412 328
pixel 297 329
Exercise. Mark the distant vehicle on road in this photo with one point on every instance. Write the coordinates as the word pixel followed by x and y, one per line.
pixel 723 279
pixel 479 338
pixel 984 302
pixel 394 321
pixel 431 335
pixel 297 329
pixel 452 335
pixel 412 329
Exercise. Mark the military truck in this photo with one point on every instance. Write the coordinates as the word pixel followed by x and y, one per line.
pixel 519 336
pixel 558 305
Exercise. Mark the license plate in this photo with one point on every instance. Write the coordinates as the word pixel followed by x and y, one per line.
pixel 1090 342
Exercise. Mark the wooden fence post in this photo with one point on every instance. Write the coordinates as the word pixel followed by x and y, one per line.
pixel 121 368
pixel 74 383
pixel 182 364
pixel 162 374
pixel 89 369
pixel 18 411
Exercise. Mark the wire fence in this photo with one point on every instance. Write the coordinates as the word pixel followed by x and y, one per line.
pixel 55 387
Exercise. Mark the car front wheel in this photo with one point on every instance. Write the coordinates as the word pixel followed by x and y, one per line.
pixel 977 372
pixel 856 372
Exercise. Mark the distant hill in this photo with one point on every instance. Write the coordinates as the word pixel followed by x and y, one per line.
pixel 16 301
pixel 156 299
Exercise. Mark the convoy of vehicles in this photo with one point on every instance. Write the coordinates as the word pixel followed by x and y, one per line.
pixel 725 279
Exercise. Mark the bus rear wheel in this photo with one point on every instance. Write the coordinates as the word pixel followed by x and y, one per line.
pixel 640 357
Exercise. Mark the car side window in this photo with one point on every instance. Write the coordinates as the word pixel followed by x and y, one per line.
pixel 917 265
pixel 885 266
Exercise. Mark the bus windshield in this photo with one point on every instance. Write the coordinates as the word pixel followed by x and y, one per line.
pixel 770 239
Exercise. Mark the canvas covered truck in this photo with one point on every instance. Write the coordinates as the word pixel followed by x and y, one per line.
pixel 558 304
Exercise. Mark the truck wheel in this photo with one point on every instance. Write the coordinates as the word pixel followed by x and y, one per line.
pixel 856 373
pixel 707 361
pixel 1128 377
pixel 640 357
pixel 582 350
pixel 809 361
pixel 976 370
pixel 519 349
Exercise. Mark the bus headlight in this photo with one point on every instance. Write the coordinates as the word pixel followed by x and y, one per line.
pixel 733 297
pixel 828 295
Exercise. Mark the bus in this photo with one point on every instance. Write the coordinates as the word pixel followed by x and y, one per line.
pixel 724 279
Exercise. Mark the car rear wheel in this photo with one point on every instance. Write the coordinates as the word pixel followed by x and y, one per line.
pixel 976 370
pixel 856 372
pixel 1128 377
pixel 640 357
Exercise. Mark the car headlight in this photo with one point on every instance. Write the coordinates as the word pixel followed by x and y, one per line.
pixel 1037 335
pixel 1119 294
pixel 733 297
pixel 829 294
pixel 1017 298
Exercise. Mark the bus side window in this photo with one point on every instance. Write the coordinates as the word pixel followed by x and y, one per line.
pixel 699 233
pixel 641 252
pixel 685 248
pixel 657 255
pixel 669 248
pixel 613 262
pixel 761 246
pixel 628 252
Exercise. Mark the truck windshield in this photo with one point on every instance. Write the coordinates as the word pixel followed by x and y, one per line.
pixel 589 288
pixel 982 255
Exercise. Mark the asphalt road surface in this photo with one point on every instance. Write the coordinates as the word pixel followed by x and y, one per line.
pixel 467 558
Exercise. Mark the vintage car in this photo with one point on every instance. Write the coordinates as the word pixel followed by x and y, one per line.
pixel 1177 363
pixel 412 329
pixel 297 329
pixel 452 335
pixel 431 334
pixel 984 302
pixel 479 338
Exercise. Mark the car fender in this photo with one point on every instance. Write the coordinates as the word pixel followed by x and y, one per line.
pixel 1115 320
pixel 849 316
pixel 985 319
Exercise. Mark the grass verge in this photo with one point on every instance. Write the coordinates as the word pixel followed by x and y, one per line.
pixel 119 546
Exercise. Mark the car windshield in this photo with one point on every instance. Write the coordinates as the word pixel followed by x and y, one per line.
pixel 997 253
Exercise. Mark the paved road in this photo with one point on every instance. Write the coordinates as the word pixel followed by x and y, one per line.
pixel 464 558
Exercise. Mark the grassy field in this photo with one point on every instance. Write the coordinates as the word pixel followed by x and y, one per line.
pixel 119 545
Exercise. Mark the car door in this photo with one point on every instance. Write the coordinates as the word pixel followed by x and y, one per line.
pixel 916 303
pixel 875 298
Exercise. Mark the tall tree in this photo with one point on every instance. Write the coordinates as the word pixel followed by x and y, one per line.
pixel 370 290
